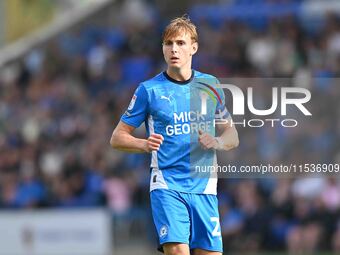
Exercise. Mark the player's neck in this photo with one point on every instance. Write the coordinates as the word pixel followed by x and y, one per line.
pixel 179 74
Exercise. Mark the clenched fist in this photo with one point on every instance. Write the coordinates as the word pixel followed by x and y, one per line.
pixel 207 141
pixel 154 142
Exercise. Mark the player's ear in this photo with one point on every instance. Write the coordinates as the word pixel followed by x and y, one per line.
pixel 194 48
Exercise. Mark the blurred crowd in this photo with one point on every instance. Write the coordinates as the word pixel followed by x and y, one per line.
pixel 60 103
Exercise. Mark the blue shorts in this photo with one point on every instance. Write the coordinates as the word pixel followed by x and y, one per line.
pixel 187 218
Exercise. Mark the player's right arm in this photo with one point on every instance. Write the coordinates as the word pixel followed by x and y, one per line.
pixel 122 139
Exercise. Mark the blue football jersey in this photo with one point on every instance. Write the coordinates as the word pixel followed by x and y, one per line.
pixel 177 110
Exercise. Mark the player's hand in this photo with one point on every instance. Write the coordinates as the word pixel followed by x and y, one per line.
pixel 207 141
pixel 154 142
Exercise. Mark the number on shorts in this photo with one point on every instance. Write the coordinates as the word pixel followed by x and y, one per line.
pixel 216 231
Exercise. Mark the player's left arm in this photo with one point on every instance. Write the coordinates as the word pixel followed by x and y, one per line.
pixel 228 136
pixel 227 140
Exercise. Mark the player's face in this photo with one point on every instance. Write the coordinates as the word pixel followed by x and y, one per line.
pixel 178 51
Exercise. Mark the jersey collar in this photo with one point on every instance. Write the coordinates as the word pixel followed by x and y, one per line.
pixel 179 82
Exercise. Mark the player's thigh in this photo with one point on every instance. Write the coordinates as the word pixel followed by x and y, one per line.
pixel 176 249
pixel 205 252
pixel 171 217
pixel 206 230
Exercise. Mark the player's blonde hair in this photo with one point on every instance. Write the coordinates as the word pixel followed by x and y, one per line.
pixel 179 25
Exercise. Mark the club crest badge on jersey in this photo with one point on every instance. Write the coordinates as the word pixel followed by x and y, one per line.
pixel 132 103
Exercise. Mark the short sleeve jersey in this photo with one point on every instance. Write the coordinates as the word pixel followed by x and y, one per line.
pixel 177 110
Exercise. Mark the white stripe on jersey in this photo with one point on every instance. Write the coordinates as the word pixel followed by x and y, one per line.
pixel 211 187
pixel 156 179
pixel 154 158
